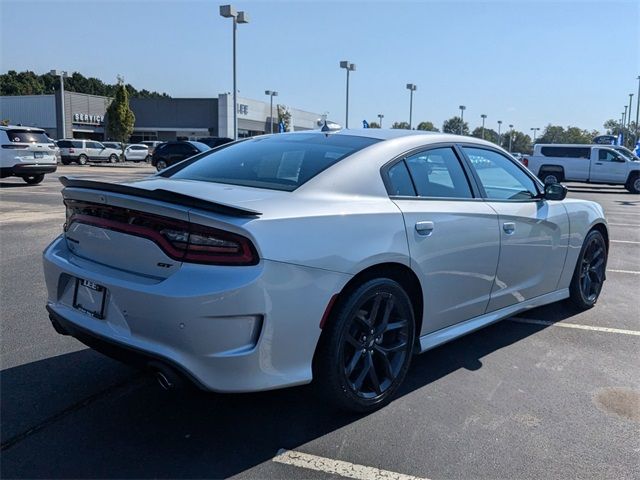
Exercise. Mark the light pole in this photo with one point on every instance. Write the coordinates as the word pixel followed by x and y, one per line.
pixel 412 88
pixel 635 137
pixel 62 75
pixel 349 67
pixel 624 117
pixel 271 93
pixel 380 117
pixel 499 135
pixel 483 116
pixel 229 11
pixel 462 109
pixel 510 136
pixel 629 119
pixel 534 130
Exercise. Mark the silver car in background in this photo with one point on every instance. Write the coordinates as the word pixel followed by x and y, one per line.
pixel 137 152
pixel 326 256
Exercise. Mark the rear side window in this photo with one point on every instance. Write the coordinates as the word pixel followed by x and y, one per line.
pixel 65 144
pixel 400 181
pixel 566 152
pixel 438 173
pixel 25 136
pixel 280 162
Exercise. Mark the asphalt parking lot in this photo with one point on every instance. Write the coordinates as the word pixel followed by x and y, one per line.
pixel 549 394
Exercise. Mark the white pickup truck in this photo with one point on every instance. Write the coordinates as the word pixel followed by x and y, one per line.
pixel 554 163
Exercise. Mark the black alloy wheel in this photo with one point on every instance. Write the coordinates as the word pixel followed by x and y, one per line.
pixel 368 347
pixel 590 272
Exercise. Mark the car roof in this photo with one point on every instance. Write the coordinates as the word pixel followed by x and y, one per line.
pixel 21 127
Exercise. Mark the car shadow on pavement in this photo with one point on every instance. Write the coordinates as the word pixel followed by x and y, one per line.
pixel 19 184
pixel 132 429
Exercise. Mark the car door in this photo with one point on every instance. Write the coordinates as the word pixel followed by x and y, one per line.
pixel 608 166
pixel 534 232
pixel 452 234
pixel 95 151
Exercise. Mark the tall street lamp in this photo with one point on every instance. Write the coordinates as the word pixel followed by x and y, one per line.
pixel 624 117
pixel 534 130
pixel 629 119
pixel 483 116
pixel 412 88
pixel 62 75
pixel 499 135
pixel 229 11
pixel 349 67
pixel 462 109
pixel 380 117
pixel 510 136
pixel 271 93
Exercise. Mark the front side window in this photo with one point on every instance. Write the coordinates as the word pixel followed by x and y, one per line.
pixel 438 173
pixel 280 162
pixel 501 178
pixel 608 156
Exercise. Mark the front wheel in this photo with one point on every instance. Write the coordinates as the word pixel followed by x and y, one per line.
pixel 633 185
pixel 366 349
pixel 589 274
pixel 113 158
pixel 83 159
pixel 161 165
pixel 34 179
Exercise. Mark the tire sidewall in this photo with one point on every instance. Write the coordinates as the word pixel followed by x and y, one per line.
pixel 550 175
pixel 577 296
pixel 338 326
pixel 159 163
pixel 82 160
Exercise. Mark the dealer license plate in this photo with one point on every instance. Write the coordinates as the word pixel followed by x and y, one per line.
pixel 90 298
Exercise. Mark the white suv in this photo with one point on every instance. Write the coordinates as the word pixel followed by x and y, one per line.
pixel 27 153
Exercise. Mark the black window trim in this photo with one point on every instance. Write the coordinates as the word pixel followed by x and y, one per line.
pixel 536 181
pixel 468 173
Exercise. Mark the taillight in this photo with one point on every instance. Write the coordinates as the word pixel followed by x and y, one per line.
pixel 15 147
pixel 71 150
pixel 525 162
pixel 180 240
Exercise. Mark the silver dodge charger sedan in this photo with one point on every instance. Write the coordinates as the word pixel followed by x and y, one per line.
pixel 327 256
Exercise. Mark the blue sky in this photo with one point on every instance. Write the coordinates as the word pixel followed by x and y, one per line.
pixel 526 63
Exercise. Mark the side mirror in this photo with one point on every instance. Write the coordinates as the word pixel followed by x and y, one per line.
pixel 555 191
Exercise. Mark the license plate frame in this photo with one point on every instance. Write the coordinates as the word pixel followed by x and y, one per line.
pixel 38 154
pixel 90 298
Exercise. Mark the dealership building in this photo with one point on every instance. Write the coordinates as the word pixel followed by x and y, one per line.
pixel 156 118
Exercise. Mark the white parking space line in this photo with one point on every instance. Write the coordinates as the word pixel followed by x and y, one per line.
pixel 623 224
pixel 631 272
pixel 623 241
pixel 337 467
pixel 575 325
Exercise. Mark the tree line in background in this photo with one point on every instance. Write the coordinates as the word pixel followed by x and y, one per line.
pixel 519 142
pixel 30 83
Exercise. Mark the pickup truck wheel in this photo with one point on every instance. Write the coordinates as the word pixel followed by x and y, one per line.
pixel 633 185
pixel 589 274
pixel 550 177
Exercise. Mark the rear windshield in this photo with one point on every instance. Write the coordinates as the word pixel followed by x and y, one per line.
pixel 25 136
pixel 280 162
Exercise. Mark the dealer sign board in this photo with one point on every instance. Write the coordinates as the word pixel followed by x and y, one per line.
pixel 88 119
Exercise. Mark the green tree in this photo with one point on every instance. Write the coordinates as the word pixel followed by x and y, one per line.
pixel 401 125
pixel 427 127
pixel 559 134
pixel 374 125
pixel 119 118
pixel 453 126
pixel 489 134
pixel 520 142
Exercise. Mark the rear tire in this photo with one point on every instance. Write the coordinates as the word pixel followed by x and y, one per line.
pixel 589 274
pixel 365 349
pixel 34 179
pixel 113 158
pixel 161 165
pixel 633 184
pixel 83 159
pixel 550 176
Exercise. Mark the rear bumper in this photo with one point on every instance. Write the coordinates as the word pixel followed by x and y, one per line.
pixel 228 329
pixel 24 169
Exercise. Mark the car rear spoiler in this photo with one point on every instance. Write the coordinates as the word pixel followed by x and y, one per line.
pixel 161 195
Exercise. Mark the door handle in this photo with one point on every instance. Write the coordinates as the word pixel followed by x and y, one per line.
pixel 424 228
pixel 509 227
pixel 598 163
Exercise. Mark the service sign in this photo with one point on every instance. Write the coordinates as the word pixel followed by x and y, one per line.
pixel 86 118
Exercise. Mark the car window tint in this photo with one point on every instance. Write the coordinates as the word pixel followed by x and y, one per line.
pixel 400 180
pixel 438 173
pixel 501 178
pixel 78 144
pixel 280 162
pixel 27 136
pixel 566 152
pixel 607 156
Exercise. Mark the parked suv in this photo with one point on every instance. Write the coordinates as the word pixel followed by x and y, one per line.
pixel 171 153
pixel 137 153
pixel 584 163
pixel 26 153
pixel 83 151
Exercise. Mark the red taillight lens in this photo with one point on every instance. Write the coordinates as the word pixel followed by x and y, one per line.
pixel 525 162
pixel 71 150
pixel 180 240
